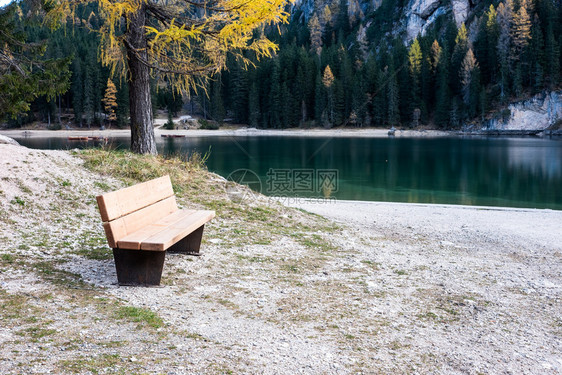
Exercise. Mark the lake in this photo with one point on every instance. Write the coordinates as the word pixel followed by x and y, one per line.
pixel 514 172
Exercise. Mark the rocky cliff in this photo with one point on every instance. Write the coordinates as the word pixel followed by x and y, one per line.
pixel 420 14
pixel 415 17
pixel 538 113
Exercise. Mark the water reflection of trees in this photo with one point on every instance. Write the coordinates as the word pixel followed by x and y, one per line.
pixel 489 171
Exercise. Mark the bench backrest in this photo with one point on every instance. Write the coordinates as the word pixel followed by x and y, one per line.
pixel 128 210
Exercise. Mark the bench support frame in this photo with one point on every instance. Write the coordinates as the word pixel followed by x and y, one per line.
pixel 190 245
pixel 143 267
pixel 139 267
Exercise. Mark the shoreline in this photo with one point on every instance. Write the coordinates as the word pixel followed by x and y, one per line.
pixel 241 132
pixel 313 202
pixel 253 132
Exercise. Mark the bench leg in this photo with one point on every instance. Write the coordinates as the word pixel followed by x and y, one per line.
pixel 137 267
pixel 189 245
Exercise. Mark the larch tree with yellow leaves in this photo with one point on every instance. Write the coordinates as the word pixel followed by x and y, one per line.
pixel 182 42
pixel 110 102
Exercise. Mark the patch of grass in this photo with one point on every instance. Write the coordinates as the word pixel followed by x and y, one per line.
pixel 103 186
pixel 400 272
pixel 290 268
pixel 96 253
pixel 316 242
pixel 374 265
pixel 139 315
pixel 36 333
pixel 12 305
pixel 18 200
pixel 101 364
pixel 229 304
pixel 7 258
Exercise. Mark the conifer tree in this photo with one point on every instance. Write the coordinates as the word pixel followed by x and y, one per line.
pixel 254 106
pixel 552 57
pixel 319 99
pixel 466 75
pixel 435 55
pixel 275 97
pixel 89 106
pixel 217 103
pixel 393 97
pixel 521 29
pixel 459 53
pixel 442 96
pixel 315 35
pixel 77 89
pixel 180 42
pixel 110 101
pixel 504 18
pixel 328 83
pixel 536 56
pixel 415 65
pixel 492 35
pixel 25 74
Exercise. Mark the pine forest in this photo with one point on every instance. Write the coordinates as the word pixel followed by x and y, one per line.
pixel 337 65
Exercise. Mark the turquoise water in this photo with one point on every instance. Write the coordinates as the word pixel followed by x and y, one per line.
pixel 515 172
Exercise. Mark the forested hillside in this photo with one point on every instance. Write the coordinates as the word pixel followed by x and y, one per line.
pixel 346 63
pixel 341 67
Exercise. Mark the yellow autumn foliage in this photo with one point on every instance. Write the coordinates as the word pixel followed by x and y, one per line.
pixel 186 40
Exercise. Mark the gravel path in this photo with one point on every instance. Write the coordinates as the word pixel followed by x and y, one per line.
pixel 496 271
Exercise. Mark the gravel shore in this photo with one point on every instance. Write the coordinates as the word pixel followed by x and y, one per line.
pixel 366 287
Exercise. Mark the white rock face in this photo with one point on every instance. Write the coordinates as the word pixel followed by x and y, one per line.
pixel 460 10
pixel 417 15
pixel 537 113
pixel 424 8
pixel 420 14
pixel 418 25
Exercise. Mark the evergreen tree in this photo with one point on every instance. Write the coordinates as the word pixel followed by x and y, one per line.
pixel 504 19
pixel 415 65
pixel 254 106
pixel 319 100
pixel 88 92
pixel 328 83
pixel 393 97
pixel 217 103
pixel 77 89
pixel 521 29
pixel 315 35
pixel 110 102
pixel 552 57
pixel 536 56
pixel 466 75
pixel 24 73
pixel 459 53
pixel 239 93
pixel 492 35
pixel 275 97
pixel 442 96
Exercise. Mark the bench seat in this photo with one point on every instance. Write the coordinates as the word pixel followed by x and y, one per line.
pixel 166 232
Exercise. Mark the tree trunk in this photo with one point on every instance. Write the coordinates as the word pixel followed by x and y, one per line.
pixel 142 129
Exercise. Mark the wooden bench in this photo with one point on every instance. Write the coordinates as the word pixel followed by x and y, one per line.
pixel 141 222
